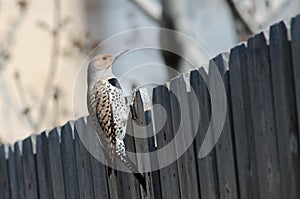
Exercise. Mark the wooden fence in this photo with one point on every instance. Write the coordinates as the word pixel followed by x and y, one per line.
pixel 257 155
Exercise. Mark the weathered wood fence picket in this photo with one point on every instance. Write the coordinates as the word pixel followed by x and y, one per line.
pixel 257 155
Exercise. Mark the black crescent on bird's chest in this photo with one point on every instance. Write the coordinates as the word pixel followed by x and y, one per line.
pixel 114 82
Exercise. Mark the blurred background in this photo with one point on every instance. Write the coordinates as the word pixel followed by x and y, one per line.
pixel 43 43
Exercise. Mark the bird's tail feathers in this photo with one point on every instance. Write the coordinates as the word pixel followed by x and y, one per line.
pixel 141 180
pixel 123 157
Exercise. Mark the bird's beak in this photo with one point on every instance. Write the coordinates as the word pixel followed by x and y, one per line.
pixel 118 55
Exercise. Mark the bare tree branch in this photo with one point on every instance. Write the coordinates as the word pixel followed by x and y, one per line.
pixel 25 104
pixel 151 8
pixel 279 13
pixel 5 51
pixel 247 28
pixel 56 97
pixel 53 61
pixel 11 34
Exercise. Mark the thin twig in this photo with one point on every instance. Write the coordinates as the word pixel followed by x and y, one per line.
pixel 151 8
pixel 56 97
pixel 53 61
pixel 15 26
pixel 25 104
pixel 11 35
pixel 7 44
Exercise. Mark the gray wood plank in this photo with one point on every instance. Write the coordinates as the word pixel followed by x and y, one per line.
pixel 19 171
pixel 100 184
pixel 57 175
pixel 169 174
pixel 69 162
pixel 225 145
pixel 242 124
pixel 43 167
pixel 29 169
pixel 86 132
pixel 4 180
pixel 127 185
pixel 144 145
pixel 130 186
pixel 181 117
pixel 295 44
pixel 99 179
pixel 13 183
pixel 207 166
pixel 262 111
pixel 84 173
pixel 113 185
pixel 285 114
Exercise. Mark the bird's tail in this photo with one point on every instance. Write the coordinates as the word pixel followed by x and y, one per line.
pixel 141 180
pixel 123 157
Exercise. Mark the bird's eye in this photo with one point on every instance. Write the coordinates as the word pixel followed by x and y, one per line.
pixel 104 58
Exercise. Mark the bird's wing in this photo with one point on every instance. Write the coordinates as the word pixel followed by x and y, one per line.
pixel 103 109
pixel 94 102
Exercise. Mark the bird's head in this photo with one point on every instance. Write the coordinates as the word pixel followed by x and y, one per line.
pixel 100 67
pixel 102 62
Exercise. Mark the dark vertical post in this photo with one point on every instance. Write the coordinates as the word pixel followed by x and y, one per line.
pixel 182 124
pixel 128 185
pixel 97 168
pixel 57 175
pixel 285 114
pixel 4 181
pixel 69 162
pixel 295 44
pixel 169 174
pixel 262 110
pixel 43 167
pixel 85 185
pixel 144 145
pixel 29 169
pixel 13 181
pixel 19 171
pixel 242 123
pixel 207 166
pixel 225 145
pixel 87 131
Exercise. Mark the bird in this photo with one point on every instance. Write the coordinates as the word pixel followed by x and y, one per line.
pixel 109 112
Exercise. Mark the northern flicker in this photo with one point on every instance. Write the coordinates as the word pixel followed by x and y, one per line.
pixel 109 112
